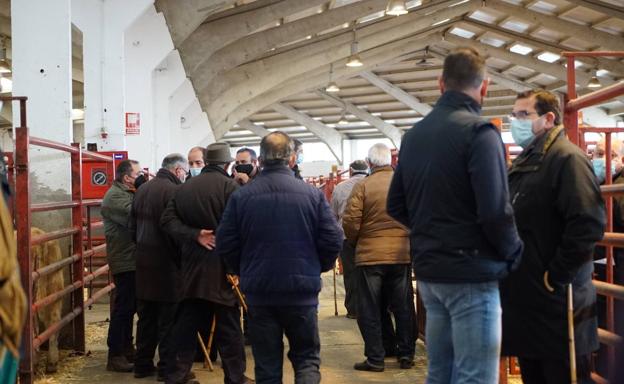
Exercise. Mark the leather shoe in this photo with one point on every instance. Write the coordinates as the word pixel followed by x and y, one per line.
pixel 142 372
pixel 247 380
pixel 366 366
pixel 188 379
pixel 406 363
pixel 119 364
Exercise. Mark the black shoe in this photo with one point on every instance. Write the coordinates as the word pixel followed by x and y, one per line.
pixel 406 363
pixel 187 380
pixel 351 316
pixel 143 372
pixel 119 364
pixel 247 380
pixel 366 366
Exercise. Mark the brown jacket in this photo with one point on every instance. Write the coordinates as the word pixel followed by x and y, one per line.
pixel 379 239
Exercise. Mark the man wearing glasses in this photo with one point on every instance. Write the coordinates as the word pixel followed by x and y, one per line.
pixel 560 216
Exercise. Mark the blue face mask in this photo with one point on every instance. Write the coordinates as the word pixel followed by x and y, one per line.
pixel 600 169
pixel 299 158
pixel 522 132
pixel 195 172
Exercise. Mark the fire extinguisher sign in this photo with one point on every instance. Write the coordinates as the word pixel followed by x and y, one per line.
pixel 133 123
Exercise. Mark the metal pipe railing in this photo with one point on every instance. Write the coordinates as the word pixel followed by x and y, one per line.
pixel 613 290
pixel 53 235
pixel 53 206
pixel 45 143
pixel 68 289
pixel 596 97
pixel 609 338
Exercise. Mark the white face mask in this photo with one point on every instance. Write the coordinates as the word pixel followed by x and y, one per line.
pixel 522 132
pixel 195 172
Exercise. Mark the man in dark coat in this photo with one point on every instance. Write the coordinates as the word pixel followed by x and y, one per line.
pixel 278 234
pixel 157 277
pixel 450 190
pixel 192 216
pixel 560 216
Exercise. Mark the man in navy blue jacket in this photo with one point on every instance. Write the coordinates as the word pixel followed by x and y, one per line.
pixel 450 189
pixel 278 234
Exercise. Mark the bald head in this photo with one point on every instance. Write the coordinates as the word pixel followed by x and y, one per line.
pixel 276 149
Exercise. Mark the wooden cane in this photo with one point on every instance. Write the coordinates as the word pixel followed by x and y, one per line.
pixel 335 296
pixel 207 361
pixel 239 294
pixel 571 336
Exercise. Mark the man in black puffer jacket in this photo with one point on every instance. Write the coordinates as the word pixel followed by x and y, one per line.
pixel 278 234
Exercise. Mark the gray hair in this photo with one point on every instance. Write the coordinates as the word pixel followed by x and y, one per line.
pixel 276 148
pixel 174 161
pixel 379 155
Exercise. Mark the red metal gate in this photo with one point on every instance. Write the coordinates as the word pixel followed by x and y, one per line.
pixel 81 240
pixel 572 107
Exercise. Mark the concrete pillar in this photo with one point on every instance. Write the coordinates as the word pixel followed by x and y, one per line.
pixel 103 24
pixel 147 43
pixel 42 70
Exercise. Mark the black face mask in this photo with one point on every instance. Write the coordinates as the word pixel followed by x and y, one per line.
pixel 140 180
pixel 244 168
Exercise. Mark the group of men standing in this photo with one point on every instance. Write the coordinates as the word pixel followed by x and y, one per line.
pixel 493 249
pixel 161 244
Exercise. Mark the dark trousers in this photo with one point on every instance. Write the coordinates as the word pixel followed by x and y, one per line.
pixel 267 326
pixel 154 329
pixel 347 258
pixel 555 371
pixel 192 315
pixel 391 283
pixel 122 314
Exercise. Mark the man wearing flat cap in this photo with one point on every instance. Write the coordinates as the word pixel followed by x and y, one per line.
pixel 191 219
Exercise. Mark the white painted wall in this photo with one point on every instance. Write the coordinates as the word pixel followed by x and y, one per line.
pixel 147 43
pixel 42 71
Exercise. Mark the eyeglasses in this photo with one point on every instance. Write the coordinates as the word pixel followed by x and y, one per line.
pixel 521 115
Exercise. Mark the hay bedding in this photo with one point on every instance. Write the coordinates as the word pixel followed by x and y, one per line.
pixel 72 363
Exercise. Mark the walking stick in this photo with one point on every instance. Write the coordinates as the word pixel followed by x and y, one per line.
pixel 335 297
pixel 571 336
pixel 240 296
pixel 206 354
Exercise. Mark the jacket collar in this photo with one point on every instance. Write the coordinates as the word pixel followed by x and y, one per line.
pixel 214 169
pixel 123 187
pixel 165 174
pixel 385 168
pixel 278 169
pixel 532 157
pixel 456 99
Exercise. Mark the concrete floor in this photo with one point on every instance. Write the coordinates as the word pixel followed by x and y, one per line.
pixel 341 343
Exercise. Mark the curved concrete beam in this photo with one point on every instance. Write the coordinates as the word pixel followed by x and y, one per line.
pixel 539 66
pixel 211 36
pixel 389 130
pixel 589 34
pixel 253 46
pixel 329 136
pixel 317 78
pixel 397 93
pixel 251 80
pixel 319 52
pixel 184 16
pixel 256 129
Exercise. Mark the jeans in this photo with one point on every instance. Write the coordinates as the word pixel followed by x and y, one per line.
pixel 383 287
pixel 267 326
pixel 349 275
pixel 463 332
pixel 122 314
pixel 192 314
pixel 154 329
